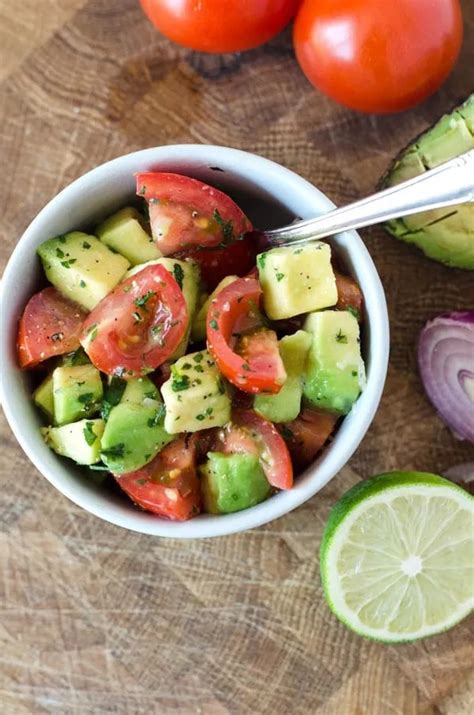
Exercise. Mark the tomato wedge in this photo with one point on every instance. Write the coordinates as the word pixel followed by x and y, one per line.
pixel 249 433
pixel 237 258
pixel 50 325
pixel 138 326
pixel 349 294
pixel 307 435
pixel 185 212
pixel 168 486
pixel 260 367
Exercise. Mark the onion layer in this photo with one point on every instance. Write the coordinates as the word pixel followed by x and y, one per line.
pixel 446 364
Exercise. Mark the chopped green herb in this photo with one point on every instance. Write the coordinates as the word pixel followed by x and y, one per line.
pixel 353 311
pixel 178 274
pixel 198 357
pixel 286 432
pixel 354 373
pixel 89 434
pixel 246 366
pixel 179 382
pixel 86 399
pixel 113 395
pixel 209 411
pixel 92 333
pixel 82 284
pixel 62 239
pixel 86 244
pixel 157 417
pixel 186 366
pixel 221 387
pixel 68 264
pixel 200 417
pixel 59 253
pixel 213 324
pixel 117 450
pixel 280 276
pixel 226 227
pixel 127 289
pixel 143 300
pixel 297 251
pixel 141 482
pixel 341 338
pixel 261 258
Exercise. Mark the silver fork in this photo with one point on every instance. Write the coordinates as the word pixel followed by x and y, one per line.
pixel 448 184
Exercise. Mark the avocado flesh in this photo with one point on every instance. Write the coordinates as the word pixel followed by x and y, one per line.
pixel 232 482
pixel 446 234
pixel 133 435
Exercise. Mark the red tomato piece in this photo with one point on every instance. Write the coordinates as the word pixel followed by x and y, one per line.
pixel 138 326
pixel 349 294
pixel 260 369
pixel 185 212
pixel 50 325
pixel 237 258
pixel 220 25
pixel 168 486
pixel 376 56
pixel 251 434
pixel 307 435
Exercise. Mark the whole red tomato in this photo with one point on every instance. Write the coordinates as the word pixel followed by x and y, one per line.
pixel 378 55
pixel 220 25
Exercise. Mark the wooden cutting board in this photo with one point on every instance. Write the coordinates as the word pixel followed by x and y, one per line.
pixel 98 620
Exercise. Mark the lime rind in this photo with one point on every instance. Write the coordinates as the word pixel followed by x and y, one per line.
pixel 382 491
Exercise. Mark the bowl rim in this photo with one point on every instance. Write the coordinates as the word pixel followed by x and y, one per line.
pixel 321 471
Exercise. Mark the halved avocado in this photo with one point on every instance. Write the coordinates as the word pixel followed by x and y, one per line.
pixel 446 234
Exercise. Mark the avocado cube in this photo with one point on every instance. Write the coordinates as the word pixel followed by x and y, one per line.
pixel 79 441
pixel 232 482
pixel 124 233
pixel 286 404
pixel 296 280
pixel 187 275
pixel 195 395
pixel 43 397
pixel 77 392
pixel 334 374
pixel 198 328
pixel 81 267
pixel 133 436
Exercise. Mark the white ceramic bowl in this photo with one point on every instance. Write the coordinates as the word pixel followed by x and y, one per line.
pixel 271 195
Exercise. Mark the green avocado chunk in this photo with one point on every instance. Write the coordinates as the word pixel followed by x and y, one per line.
pixel 286 404
pixel 133 436
pixel 446 234
pixel 81 267
pixel 232 482
pixel 43 397
pixel 79 441
pixel 335 373
pixel 123 232
pixel 77 392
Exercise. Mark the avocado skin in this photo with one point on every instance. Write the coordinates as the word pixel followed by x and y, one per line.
pixel 445 235
pixel 232 482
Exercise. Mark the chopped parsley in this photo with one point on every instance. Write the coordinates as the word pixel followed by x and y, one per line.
pixel 89 434
pixel 261 258
pixel 179 382
pixel 92 332
pixel 62 239
pixel 86 244
pixel 60 253
pixel 82 284
pixel 186 366
pixel 141 482
pixel 198 368
pixel 200 417
pixel 246 366
pixel 286 432
pixel 68 264
pixel 280 276
pixel 117 450
pixel 297 251
pixel 341 338
pixel 143 300
pixel 157 417
pixel 113 395
pixel 226 227
pixel 86 399
pixel 221 387
pixel 198 357
pixel 354 373
pixel 353 311
pixel 178 275
pixel 213 324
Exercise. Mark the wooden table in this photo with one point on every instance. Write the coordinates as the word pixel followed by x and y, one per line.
pixel 98 620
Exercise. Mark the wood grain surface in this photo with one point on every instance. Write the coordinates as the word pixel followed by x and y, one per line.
pixel 98 620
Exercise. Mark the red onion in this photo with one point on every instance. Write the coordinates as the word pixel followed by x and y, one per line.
pixel 446 363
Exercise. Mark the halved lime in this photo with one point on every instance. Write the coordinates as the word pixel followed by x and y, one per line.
pixel 397 556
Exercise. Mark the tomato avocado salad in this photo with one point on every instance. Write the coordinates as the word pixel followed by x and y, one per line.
pixel 179 363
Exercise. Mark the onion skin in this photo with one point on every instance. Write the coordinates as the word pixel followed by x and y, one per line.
pixel 446 365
